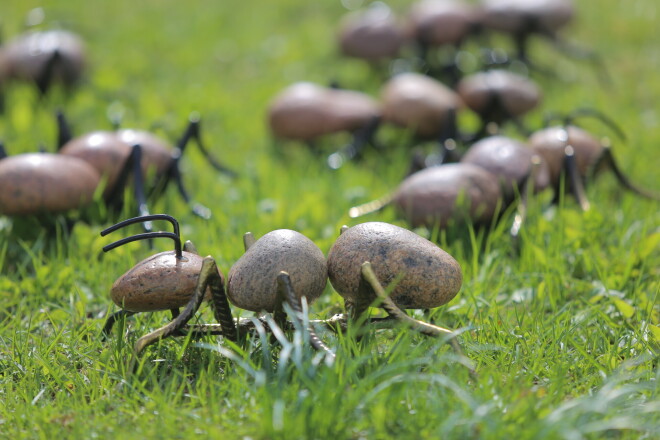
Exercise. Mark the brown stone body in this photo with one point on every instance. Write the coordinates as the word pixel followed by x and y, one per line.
pixel 160 282
pixel 513 94
pixel 372 34
pixel 252 280
pixel 550 143
pixel 527 16
pixel 442 22
pixel 419 103
pixel 306 111
pixel 439 195
pixel 45 183
pixel 27 56
pixel 107 151
pixel 510 160
pixel 425 275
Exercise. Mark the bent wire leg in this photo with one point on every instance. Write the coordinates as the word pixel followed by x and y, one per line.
pixel 424 328
pixel 390 307
pixel 221 309
pixel 286 291
pixel 607 160
pixel 196 208
pixel 354 149
pixel 112 319
pixel 64 133
pixel 132 166
pixel 45 78
pixel 193 132
pixel 208 273
pixel 574 178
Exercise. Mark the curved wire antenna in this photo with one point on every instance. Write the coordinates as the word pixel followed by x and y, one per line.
pixel 176 235
pixel 596 114
pixel 146 236
pixel 583 112
pixel 141 219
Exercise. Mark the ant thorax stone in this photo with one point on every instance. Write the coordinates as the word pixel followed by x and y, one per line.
pixel 252 280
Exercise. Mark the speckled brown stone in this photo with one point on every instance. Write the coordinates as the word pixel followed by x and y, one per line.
pixel 305 111
pixel 440 22
pixel 42 182
pixel 160 282
pixel 510 160
pixel 517 94
pixel 418 102
pixel 107 151
pixel 156 153
pixel 435 196
pixel 28 55
pixel 252 280
pixel 551 142
pixel 514 16
pixel 371 34
pixel 101 149
pixel 426 275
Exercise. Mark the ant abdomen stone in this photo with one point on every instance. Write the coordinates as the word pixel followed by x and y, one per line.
pixel 35 183
pixel 252 280
pixel 425 275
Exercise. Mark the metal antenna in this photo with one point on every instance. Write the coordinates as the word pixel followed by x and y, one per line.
pixel 176 236
pixel 593 113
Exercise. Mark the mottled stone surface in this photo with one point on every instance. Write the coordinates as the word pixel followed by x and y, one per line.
pixel 107 151
pixel 252 280
pixel 437 195
pixel 551 142
pixel 43 182
pixel 29 54
pixel 514 16
pixel 371 34
pixel 426 275
pixel 160 282
pixel 510 160
pixel 305 111
pixel 419 103
pixel 515 93
pixel 440 22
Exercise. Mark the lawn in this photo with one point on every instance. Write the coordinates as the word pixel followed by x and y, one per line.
pixel 564 336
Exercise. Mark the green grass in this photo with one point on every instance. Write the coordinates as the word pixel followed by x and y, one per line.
pixel 565 337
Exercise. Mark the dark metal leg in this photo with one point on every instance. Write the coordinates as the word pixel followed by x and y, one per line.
pixel 355 148
pixel 196 208
pixel 221 308
pixel 193 132
pixel 208 274
pixel 64 133
pixel 607 160
pixel 110 322
pixel 422 327
pixel 286 290
pixel 133 166
pixel 574 178
pixel 45 78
